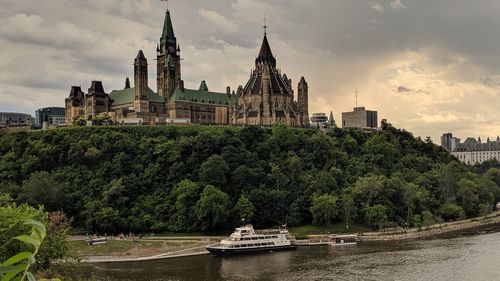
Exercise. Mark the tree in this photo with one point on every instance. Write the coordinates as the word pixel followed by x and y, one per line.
pixel 12 224
pixel 55 246
pixel 413 196
pixel 103 119
pixel 214 171
pixel 324 209
pixel 79 121
pixel 349 209
pixel 42 188
pixel 185 195
pixel 368 189
pixel 428 218
pixel 108 220
pixel 244 209
pixel 278 177
pixel 376 216
pixel 213 208
pixel 451 211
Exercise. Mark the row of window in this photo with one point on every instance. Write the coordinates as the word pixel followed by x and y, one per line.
pixel 250 245
pixel 260 237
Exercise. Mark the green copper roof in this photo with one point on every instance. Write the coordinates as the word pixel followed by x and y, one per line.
pixel 128 96
pixel 331 120
pixel 168 28
pixel 200 97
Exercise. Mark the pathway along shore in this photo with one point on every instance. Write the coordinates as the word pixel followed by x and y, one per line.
pixel 414 233
pixel 433 230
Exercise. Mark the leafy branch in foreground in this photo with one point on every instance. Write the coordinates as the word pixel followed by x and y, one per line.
pixel 17 267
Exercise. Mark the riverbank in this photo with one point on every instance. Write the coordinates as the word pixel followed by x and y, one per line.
pixel 140 250
pixel 185 246
pixel 433 230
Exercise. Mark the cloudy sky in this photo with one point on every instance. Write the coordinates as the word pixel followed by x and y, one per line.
pixel 428 66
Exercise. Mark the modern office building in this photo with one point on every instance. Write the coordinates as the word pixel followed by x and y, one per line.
pixel 360 118
pixel 12 119
pixel 50 116
pixel 449 142
pixel 319 121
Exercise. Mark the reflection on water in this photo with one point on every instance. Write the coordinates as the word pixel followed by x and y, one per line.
pixel 468 256
pixel 256 267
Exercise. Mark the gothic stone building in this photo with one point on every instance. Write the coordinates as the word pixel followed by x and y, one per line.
pixel 266 99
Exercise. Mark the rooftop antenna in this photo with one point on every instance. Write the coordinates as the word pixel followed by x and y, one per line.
pixel 167 3
pixel 356 97
pixel 265 26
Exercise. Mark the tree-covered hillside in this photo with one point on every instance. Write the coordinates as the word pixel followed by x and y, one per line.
pixel 112 179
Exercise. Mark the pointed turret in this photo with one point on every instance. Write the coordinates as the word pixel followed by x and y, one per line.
pixel 140 56
pixel 127 83
pixel 168 28
pixel 331 121
pixel 265 54
pixel 141 103
pixel 203 86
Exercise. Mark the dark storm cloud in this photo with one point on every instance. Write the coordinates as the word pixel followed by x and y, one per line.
pixel 447 50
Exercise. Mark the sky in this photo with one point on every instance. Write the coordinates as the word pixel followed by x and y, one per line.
pixel 428 66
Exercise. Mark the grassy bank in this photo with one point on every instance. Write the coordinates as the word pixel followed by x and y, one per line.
pixel 301 232
pixel 131 248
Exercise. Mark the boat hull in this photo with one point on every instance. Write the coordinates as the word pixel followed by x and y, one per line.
pixel 232 252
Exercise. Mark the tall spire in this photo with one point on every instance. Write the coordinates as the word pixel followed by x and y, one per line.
pixel 168 28
pixel 140 55
pixel 265 26
pixel 265 54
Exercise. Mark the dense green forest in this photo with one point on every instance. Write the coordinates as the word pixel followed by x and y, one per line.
pixel 181 179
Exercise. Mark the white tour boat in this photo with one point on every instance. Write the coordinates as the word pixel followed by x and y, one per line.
pixel 246 240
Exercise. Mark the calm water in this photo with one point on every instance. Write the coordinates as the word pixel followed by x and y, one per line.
pixel 467 256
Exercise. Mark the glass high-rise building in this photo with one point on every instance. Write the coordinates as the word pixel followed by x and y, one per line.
pixel 50 115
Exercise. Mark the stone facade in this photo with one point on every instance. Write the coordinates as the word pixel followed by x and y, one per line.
pixel 268 97
pixel 474 151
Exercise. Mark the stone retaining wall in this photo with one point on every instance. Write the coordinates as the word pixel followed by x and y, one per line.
pixel 490 220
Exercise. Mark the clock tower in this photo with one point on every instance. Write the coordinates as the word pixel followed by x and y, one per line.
pixel 168 61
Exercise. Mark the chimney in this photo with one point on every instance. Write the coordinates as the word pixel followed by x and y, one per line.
pixel 228 90
pixel 181 85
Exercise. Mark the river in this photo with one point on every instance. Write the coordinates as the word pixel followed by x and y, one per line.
pixel 473 256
